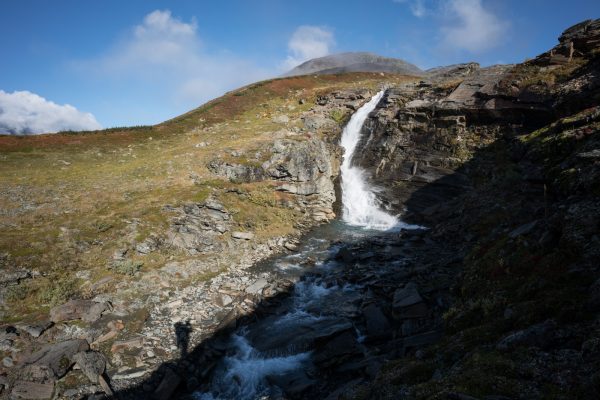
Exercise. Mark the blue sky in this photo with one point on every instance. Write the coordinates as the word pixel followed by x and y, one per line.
pixel 141 62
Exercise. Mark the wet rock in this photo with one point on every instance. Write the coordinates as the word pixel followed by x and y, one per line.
pixel 32 390
pixel 54 360
pixel 303 336
pixel 86 310
pixel 336 350
pixel 91 363
pixel 377 323
pixel 167 386
pixel 8 362
pixel 408 303
pixel 293 383
pixel 346 255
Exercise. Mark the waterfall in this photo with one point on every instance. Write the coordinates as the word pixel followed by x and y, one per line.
pixel 361 207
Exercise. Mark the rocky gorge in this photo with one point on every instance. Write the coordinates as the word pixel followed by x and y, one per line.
pixel 496 299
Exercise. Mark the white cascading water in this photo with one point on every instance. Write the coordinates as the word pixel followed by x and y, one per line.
pixel 361 207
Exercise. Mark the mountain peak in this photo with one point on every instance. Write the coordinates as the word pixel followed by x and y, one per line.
pixel 354 62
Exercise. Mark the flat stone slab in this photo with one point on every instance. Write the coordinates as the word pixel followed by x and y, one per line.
pixel 54 360
pixel 37 328
pixel 32 390
pixel 86 310
pixel 257 286
pixel 242 235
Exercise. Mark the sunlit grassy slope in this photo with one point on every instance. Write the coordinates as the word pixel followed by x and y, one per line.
pixel 69 200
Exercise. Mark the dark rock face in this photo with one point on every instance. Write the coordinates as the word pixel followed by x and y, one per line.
pixel 516 199
pixel 421 134
pixel 354 62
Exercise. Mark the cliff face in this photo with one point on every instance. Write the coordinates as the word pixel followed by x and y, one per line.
pixel 503 166
pixel 424 132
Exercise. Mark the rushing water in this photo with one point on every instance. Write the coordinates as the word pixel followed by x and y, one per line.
pixel 266 350
pixel 361 207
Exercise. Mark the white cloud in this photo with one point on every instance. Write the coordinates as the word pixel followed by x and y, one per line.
pixel 417 7
pixel 471 27
pixel 26 113
pixel 306 43
pixel 166 53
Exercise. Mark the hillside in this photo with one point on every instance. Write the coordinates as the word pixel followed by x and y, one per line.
pixel 354 62
pixel 127 219
pixel 174 260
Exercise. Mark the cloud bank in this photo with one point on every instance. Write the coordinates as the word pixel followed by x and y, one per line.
pixel 308 42
pixel 472 27
pixel 167 54
pixel 464 25
pixel 26 113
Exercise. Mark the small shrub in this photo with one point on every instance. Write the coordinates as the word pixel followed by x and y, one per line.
pixel 127 267
pixel 57 291
pixel 102 226
pixel 16 293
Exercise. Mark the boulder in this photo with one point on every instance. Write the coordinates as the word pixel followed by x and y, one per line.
pixel 293 383
pixel 54 360
pixel 345 255
pixel 336 350
pixel 408 303
pixel 377 323
pixel 296 336
pixel 257 286
pixel 86 310
pixel 32 390
pixel 92 364
pixel 36 329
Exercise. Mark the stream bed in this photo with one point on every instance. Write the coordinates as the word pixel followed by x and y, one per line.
pixel 321 322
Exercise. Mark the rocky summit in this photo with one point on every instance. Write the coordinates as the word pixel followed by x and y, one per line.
pixel 206 257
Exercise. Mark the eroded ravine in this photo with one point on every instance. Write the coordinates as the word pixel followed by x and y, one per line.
pixel 286 351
